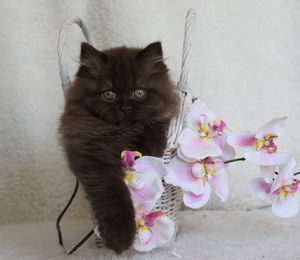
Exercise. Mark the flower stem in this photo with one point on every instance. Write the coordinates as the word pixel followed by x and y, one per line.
pixel 235 160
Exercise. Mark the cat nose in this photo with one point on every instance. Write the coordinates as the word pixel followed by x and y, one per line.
pixel 126 109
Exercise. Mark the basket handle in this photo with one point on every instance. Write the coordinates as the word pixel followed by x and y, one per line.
pixel 62 57
pixel 186 54
pixel 176 125
pixel 184 80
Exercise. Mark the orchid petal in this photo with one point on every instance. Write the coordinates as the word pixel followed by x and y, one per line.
pixel 180 174
pixel 150 164
pixel 268 172
pixel 162 233
pixel 259 188
pixel 286 170
pixel 220 183
pixel 198 110
pixel 183 157
pixel 286 207
pixel 144 199
pixel 264 158
pixel 273 127
pixel 285 174
pixel 194 147
pixel 196 201
pixel 145 236
pixel 244 140
pixel 228 152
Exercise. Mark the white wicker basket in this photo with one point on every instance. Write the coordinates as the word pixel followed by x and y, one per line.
pixel 170 201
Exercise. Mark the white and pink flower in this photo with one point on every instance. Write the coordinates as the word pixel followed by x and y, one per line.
pixel 154 230
pixel 196 179
pixel 204 135
pixel 284 191
pixel 260 147
pixel 144 179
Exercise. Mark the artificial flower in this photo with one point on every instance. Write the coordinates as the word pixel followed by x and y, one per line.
pixel 203 135
pixel 260 147
pixel 196 179
pixel 154 230
pixel 144 179
pixel 283 191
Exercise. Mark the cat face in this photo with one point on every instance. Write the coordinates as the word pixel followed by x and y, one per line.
pixel 125 85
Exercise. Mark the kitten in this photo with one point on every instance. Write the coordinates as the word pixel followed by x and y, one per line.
pixel 122 99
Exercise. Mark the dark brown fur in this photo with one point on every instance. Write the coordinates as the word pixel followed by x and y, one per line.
pixel 95 132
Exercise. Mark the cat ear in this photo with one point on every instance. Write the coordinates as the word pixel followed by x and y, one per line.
pixel 91 61
pixel 90 56
pixel 152 52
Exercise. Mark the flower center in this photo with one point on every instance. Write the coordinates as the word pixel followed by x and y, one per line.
pixel 267 143
pixel 204 130
pixel 286 189
pixel 202 169
pixel 129 157
pixel 133 180
pixel 144 224
pixel 209 130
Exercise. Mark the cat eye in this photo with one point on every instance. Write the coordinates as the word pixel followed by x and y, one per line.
pixel 109 95
pixel 139 94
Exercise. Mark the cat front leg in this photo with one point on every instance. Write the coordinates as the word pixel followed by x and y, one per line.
pixel 110 200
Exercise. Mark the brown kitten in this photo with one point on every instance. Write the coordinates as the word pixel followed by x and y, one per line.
pixel 122 99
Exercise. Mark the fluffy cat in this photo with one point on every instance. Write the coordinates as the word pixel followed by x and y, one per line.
pixel 122 99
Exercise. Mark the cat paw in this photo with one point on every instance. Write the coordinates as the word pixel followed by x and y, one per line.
pixel 119 232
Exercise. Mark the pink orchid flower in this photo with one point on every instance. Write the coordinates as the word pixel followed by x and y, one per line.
pixel 204 135
pixel 196 178
pixel 144 179
pixel 260 147
pixel 284 191
pixel 154 230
